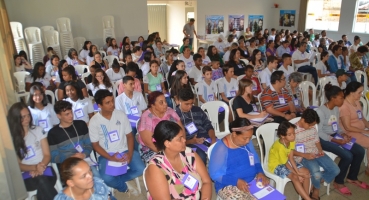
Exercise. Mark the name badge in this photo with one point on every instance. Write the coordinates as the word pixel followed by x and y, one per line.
pixel 254 87
pixel 359 114
pixel 296 102
pixel 30 153
pixel 300 148
pixel 281 100
pixel 251 159
pixel 334 126
pixel 190 182
pixel 191 128
pixel 254 108
pixel 75 62
pixel 158 87
pixel 116 53
pixel 43 123
pixel 189 64
pixel 78 148
pixel 240 66
pixel 79 113
pixel 113 136
pixel 210 97
pixel 134 110
pixel 233 93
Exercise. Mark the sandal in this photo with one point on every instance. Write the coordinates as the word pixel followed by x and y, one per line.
pixel 344 191
pixel 362 185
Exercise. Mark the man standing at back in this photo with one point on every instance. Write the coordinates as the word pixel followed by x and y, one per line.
pixel 189 30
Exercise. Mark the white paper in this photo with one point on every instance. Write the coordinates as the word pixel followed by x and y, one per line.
pixel 263 192
pixel 116 164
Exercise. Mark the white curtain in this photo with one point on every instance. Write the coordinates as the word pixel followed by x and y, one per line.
pixel 157 20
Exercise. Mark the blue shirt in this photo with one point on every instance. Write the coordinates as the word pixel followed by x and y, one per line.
pixel 281 50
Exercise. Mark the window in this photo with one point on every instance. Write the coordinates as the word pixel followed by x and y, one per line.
pixel 361 19
pixel 323 14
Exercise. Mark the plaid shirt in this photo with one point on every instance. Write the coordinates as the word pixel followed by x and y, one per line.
pixel 270 97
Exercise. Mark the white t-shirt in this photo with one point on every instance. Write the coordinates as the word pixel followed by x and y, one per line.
pixel 111 134
pixel 206 60
pixel 20 68
pixel 72 62
pixel 45 81
pixel 83 54
pixel 220 45
pixel 321 66
pixel 57 77
pixel 115 76
pixel 32 140
pixel 196 74
pixel 89 60
pixel 114 52
pixel 265 76
pixel 45 118
pixel 271 37
pixel 287 71
pixel 343 86
pixel 124 103
pixel 134 57
pixel 50 70
pixel 226 56
pixel 226 87
pixel 94 89
pixel 188 62
pixel 145 68
pixel 354 47
pixel 339 62
pixel 81 108
pixel 297 55
pixel 207 91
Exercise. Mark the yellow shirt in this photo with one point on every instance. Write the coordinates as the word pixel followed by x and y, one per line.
pixel 278 154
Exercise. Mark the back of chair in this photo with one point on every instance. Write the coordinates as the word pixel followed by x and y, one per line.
pixel 81 69
pixel 217 86
pixel 240 77
pixel 210 149
pixel 294 120
pixel 212 108
pixel 231 107
pixel 56 94
pixel 259 100
pixel 32 35
pixel 304 88
pixel 79 42
pixel 269 134
pixel 359 75
pixel 63 24
pixel 322 82
pixel 196 89
pixel 21 80
pixel 51 94
pixel 365 107
pixel 110 59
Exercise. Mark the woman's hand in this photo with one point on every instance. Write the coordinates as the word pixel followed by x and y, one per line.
pixel 242 185
pixel 40 168
pixel 263 114
pixel 263 178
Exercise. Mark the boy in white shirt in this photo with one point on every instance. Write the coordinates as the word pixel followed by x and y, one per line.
pixel 228 86
pixel 206 87
pixel 286 65
pixel 111 137
pixel 265 75
pixel 195 72
pixel 272 35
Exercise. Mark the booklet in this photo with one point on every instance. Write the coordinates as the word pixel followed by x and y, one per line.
pixel 348 145
pixel 258 120
pixel 47 172
pixel 116 168
pixel 264 192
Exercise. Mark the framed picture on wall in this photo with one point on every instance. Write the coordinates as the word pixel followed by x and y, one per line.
pixel 287 18
pixel 236 22
pixel 214 24
pixel 256 23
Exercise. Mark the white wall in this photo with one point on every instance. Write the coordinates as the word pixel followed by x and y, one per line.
pixel 130 16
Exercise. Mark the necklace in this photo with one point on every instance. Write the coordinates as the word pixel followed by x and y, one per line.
pixel 155 113
pixel 237 145
pixel 71 193
pixel 351 103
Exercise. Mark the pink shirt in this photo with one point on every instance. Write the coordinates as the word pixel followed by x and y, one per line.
pixel 138 87
pixel 350 110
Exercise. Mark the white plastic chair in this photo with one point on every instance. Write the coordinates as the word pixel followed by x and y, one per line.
pixel 66 42
pixel 217 84
pixel 52 95
pixel 84 76
pixel 81 69
pixel 240 77
pixel 259 101
pixel 51 39
pixel 43 30
pixel 56 94
pixel 322 82
pixel 304 88
pixel 231 107
pixel 359 75
pixel 63 25
pixel 34 42
pixel 17 31
pixel 365 106
pixel 103 53
pixel 110 59
pixel 245 61
pixel 212 108
pixel 108 27
pixel 268 132
pixel 78 43
pixel 196 89
pixel 21 85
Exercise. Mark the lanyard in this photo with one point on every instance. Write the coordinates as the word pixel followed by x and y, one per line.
pixel 69 136
pixel 184 117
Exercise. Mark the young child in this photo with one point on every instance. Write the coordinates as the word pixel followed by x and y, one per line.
pixel 228 86
pixel 131 71
pixel 249 74
pixel 217 71
pixel 82 107
pixel 282 163
pixel 207 87
pixel 195 72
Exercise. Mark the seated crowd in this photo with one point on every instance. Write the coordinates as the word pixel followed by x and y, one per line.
pixel 144 109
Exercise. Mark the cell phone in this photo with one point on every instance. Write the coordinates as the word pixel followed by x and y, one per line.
pixel 206 143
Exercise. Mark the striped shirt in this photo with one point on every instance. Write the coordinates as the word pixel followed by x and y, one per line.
pixel 270 97
pixel 307 137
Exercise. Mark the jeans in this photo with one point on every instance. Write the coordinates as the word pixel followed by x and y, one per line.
pixel 134 132
pixel 352 157
pixel 191 41
pixel 136 167
pixel 311 70
pixel 44 186
pixel 331 170
pixel 200 152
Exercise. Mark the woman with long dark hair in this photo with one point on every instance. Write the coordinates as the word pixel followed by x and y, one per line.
pixel 32 150
pixel 177 65
pixel 39 75
pixel 180 82
pixel 100 81
pixel 69 74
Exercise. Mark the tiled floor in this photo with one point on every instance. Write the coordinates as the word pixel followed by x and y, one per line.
pixel 290 193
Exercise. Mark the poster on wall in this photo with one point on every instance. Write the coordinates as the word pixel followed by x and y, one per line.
pixel 236 22
pixel 287 18
pixel 256 23
pixel 214 24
